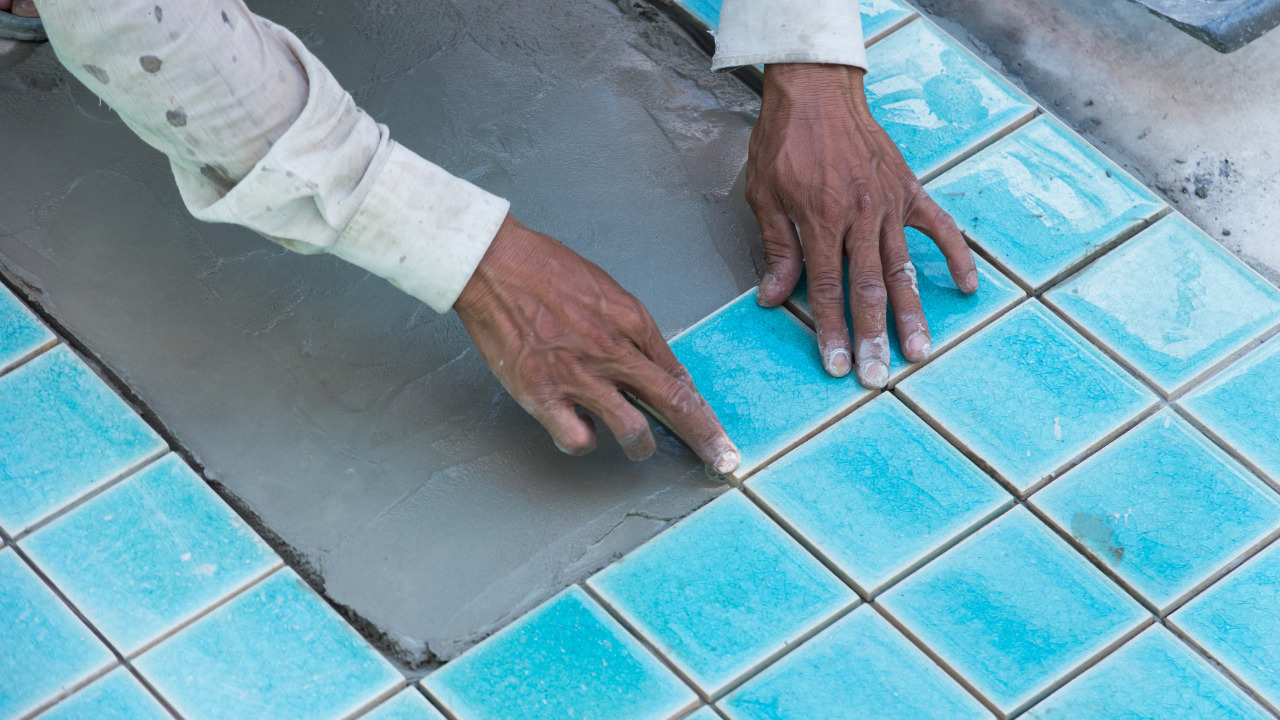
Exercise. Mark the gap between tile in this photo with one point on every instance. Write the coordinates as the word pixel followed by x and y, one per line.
pixel 32 355
pixel 1221 668
pixel 1185 414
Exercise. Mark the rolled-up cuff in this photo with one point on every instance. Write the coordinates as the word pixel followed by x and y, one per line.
pixel 754 32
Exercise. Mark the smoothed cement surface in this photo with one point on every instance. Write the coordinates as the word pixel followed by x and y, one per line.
pixel 360 427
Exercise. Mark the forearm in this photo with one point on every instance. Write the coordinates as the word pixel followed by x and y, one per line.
pixel 753 32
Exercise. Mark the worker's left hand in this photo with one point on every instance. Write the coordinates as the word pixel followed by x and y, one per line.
pixel 827 183
pixel 21 8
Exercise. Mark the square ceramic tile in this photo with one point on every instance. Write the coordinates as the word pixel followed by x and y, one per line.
pixel 878 493
pixel 115 696
pixel 1242 407
pixel 881 16
pixel 1237 621
pixel 566 659
pixel 21 333
pixel 1043 201
pixel 722 591
pixel 1155 675
pixel 950 313
pixel 703 713
pixel 759 370
pixel 1163 507
pixel 408 705
pixel 284 650
pixel 44 648
pixel 1013 609
pixel 859 662
pixel 62 433
pixel 149 554
pixel 1027 395
pixel 936 101
pixel 1171 302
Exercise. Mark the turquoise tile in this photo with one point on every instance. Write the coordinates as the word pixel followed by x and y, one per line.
pixel 1242 406
pixel 408 705
pixel 21 333
pixel 149 554
pixel 1154 675
pixel 950 313
pixel 1027 395
pixel 566 659
pixel 878 493
pixel 860 662
pixel 1237 621
pixel 62 433
pixel 1171 302
pixel 44 648
pixel 759 369
pixel 703 713
pixel 115 696
pixel 1042 201
pixel 1013 609
pixel 722 591
pixel 1163 507
pixel 287 654
pixel 704 12
pixel 880 16
pixel 934 99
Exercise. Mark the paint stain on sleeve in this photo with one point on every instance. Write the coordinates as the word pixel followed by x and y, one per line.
pixel 150 63
pixel 176 118
pixel 159 13
pixel 98 74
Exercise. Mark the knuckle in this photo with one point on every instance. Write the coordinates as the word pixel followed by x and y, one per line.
pixel 869 289
pixel 678 399
pixel 864 202
pixel 825 287
pixel 829 204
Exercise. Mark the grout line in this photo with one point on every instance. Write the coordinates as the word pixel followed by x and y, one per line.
pixel 145 683
pixel 955 442
pixel 978 327
pixel 1228 448
pixel 1068 273
pixel 372 704
pixel 893 28
pixel 980 145
pixel 431 700
pixel 29 356
pixel 1221 667
pixel 1243 557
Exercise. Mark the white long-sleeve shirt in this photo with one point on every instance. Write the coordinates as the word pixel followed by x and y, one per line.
pixel 260 134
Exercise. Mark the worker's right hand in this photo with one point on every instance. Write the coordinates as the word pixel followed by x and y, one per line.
pixel 21 8
pixel 559 333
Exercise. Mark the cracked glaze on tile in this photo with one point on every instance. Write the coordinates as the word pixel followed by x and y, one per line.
pixel 149 554
pixel 408 705
pixel 1237 621
pixel 1171 302
pixel 759 369
pixel 566 659
pixel 859 662
pixel 1013 609
pixel 936 100
pixel 62 433
pixel 1027 394
pixel 722 591
pixel 1042 200
pixel 1242 406
pixel 116 696
pixel 288 655
pixel 1163 507
pixel 20 332
pixel 44 648
pixel 702 713
pixel 1154 675
pixel 878 492
pixel 949 313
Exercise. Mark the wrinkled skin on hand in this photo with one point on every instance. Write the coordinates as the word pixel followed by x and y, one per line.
pixel 559 333
pixel 827 183
pixel 21 8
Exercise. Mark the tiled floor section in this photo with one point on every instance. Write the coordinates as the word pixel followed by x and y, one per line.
pixel 1069 511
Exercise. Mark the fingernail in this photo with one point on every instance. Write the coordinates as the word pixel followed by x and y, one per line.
pixel 918 345
pixel 875 373
pixel 728 461
pixel 971 280
pixel 26 6
pixel 839 363
pixel 766 284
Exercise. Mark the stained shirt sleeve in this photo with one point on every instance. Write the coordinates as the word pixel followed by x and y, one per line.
pixel 754 32
pixel 260 134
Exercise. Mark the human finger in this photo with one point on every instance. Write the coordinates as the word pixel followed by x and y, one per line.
pixel 867 303
pixel 904 293
pixel 930 219
pixel 784 259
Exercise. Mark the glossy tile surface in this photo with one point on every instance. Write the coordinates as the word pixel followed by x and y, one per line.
pixel 149 553
pixel 1171 302
pixel 722 591
pixel 703 713
pixel 409 704
pixel 1027 394
pixel 879 16
pixel 115 696
pixel 44 648
pixel 1042 200
pixel 1237 621
pixel 62 433
pixel 287 653
pixel 21 333
pixel 759 369
pixel 1162 506
pixel 878 492
pixel 935 100
pixel 1013 609
pixel 859 662
pixel 1242 406
pixel 950 313
pixel 566 659
pixel 1154 675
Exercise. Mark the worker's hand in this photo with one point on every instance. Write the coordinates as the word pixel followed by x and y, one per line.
pixel 21 8
pixel 827 183
pixel 561 334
